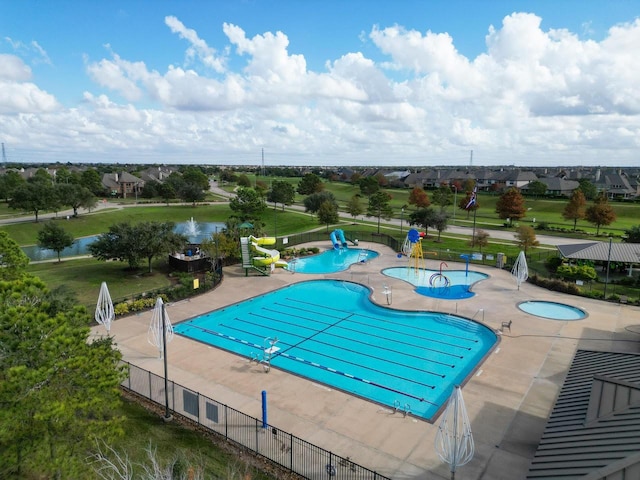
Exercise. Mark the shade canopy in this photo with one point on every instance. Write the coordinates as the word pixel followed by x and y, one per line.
pixel 520 269
pixel 104 308
pixel 454 441
pixel 157 336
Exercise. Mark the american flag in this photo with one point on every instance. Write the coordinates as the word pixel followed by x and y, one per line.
pixel 472 200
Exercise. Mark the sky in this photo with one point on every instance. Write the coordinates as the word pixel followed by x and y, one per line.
pixel 321 82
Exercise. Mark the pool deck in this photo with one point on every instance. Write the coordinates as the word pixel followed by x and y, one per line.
pixel 508 398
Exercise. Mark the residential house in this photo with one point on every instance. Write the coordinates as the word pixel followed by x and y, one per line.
pixel 122 184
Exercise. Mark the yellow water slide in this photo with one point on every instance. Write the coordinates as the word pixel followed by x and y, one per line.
pixel 265 256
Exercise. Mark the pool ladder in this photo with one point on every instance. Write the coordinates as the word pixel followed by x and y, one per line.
pixel 405 410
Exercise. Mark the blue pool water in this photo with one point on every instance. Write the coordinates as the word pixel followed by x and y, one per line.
pixel 552 310
pixel 330 332
pixel 334 260
pixel 448 285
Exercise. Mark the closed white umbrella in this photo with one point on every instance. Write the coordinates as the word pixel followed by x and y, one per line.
pixel 520 269
pixel 454 441
pixel 104 309
pixel 156 336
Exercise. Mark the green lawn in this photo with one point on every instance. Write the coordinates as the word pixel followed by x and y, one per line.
pixel 84 276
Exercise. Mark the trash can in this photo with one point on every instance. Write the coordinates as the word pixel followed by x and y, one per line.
pixel 500 260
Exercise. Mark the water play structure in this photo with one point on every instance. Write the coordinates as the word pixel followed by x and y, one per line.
pixel 412 248
pixel 337 239
pixel 255 256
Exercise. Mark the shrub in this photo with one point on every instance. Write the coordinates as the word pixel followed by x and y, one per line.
pixel 552 263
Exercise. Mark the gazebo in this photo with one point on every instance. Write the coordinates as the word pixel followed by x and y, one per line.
pixel 627 253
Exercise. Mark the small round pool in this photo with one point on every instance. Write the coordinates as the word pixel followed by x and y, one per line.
pixel 331 261
pixel 552 310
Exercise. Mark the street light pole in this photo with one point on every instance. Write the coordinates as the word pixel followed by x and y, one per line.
pixel 401 218
pixel 455 202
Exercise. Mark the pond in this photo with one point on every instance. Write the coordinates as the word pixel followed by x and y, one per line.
pixel 195 231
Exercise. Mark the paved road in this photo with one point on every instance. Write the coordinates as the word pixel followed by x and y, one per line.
pixel 495 234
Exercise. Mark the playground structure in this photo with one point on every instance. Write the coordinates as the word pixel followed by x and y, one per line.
pixel 255 256
pixel 412 248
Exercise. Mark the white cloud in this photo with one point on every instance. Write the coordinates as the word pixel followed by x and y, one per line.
pixel 199 49
pixel 17 95
pixel 533 95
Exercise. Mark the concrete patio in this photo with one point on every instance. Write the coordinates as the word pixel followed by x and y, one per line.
pixel 508 398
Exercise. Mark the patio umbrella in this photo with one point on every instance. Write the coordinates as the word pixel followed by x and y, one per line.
pixel 454 441
pixel 520 269
pixel 104 308
pixel 157 336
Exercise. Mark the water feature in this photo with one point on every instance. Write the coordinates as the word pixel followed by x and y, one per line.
pixel 195 231
pixel 446 285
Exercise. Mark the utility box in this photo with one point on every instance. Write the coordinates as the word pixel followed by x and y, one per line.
pixel 501 259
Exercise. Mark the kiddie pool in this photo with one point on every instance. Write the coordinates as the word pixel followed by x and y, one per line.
pixel 552 310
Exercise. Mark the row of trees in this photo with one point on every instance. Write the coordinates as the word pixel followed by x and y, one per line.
pixel 59 389
pixel 42 192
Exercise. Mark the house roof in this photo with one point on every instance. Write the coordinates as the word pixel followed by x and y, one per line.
pixel 620 252
pixel 593 431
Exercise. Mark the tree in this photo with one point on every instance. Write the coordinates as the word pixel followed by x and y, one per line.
pixel 480 240
pixel 119 243
pixel 243 181
pixel 192 193
pixel 90 178
pixel 75 196
pixel 262 188
pixel 526 237
pixel 13 260
pixel 575 209
pixel 247 203
pixel 379 206
pixel 510 205
pixel 328 213
pixel 166 191
pixel 156 239
pixel 53 237
pixel 195 176
pixel 355 207
pixel 440 221
pixel 368 186
pixel 281 192
pixel 312 202
pixel 423 217
pixel 600 213
pixel 33 197
pixel 632 235
pixel 419 198
pixel 9 182
pixel 537 188
pixel 589 189
pixel 442 197
pixel 59 390
pixel 310 183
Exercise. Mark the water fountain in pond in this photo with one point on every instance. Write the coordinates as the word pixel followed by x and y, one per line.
pixel 192 229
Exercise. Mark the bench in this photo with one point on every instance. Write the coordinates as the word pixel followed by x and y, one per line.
pixel 506 325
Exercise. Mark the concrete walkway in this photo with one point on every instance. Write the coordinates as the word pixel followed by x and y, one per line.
pixel 508 398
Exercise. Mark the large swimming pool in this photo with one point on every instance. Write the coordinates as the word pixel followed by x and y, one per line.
pixel 331 261
pixel 330 332
pixel 443 284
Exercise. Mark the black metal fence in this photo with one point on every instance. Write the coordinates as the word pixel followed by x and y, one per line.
pixel 318 236
pixel 284 449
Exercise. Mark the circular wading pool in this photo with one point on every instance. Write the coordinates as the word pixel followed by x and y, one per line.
pixel 552 310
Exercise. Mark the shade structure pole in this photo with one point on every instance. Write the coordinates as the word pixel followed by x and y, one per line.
pixel 167 415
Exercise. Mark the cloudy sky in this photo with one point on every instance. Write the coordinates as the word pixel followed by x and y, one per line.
pixel 330 82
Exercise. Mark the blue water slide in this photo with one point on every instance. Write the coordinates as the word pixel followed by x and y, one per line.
pixel 343 241
pixel 334 240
